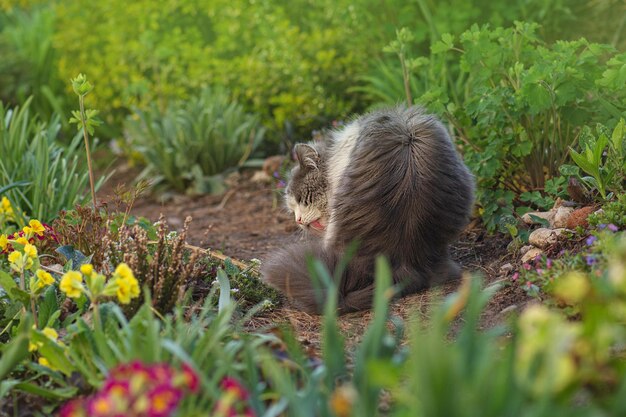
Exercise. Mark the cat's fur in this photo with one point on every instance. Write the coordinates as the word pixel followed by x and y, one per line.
pixel 392 181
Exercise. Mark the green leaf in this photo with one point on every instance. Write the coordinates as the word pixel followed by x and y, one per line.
pixel 16 350
pixel 7 283
pixel 617 138
pixel 48 306
pixel 53 352
pixel 76 257
pixel 224 301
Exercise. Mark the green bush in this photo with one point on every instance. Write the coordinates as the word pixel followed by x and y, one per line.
pixel 41 177
pixel 192 141
pixel 292 68
pixel 29 66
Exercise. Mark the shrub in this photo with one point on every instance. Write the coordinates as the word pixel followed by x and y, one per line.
pixel 47 177
pixel 29 67
pixel 190 142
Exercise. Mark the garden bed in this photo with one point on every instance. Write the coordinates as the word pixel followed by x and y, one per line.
pixel 249 221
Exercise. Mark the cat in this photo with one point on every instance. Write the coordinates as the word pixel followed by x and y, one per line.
pixel 391 181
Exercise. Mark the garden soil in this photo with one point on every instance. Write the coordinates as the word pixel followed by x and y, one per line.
pixel 249 221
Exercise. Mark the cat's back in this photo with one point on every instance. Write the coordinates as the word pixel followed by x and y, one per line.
pixel 396 173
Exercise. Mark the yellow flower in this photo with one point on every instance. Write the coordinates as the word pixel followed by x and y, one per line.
pixel 14 257
pixel 36 227
pixel 22 240
pixel 44 279
pixel 5 206
pixel 50 333
pixel 123 271
pixel 342 400
pixel 71 284
pixel 4 242
pixel 86 269
pixel 30 250
pixel 44 362
pixel 572 288
pixel 127 284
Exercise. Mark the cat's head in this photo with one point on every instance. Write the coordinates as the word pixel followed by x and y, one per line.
pixel 306 193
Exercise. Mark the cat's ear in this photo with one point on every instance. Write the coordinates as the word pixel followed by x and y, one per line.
pixel 307 156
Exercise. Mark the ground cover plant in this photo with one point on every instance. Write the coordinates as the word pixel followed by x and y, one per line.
pixel 109 308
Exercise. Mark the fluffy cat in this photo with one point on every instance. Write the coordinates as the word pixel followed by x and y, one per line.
pixel 392 181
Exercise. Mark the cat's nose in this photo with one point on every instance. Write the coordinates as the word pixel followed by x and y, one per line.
pixel 299 220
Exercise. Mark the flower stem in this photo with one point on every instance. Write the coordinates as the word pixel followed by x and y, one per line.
pixel 84 121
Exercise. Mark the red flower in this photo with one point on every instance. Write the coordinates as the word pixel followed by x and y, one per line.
pixel 163 400
pixel 190 378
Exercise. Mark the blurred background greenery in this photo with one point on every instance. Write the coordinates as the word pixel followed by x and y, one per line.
pixel 296 66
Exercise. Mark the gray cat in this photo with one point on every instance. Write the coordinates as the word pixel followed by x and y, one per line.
pixel 391 181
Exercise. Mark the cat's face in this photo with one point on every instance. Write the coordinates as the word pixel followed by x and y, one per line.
pixel 306 193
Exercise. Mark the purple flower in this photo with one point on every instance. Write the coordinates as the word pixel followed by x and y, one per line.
pixel 590 259
pixel 612 227
pixel 281 184
pixel 276 174
pixel 590 240
pixel 549 263
pixel 602 226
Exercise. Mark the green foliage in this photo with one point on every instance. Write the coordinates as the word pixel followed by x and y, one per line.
pixel 49 177
pixel 29 62
pixel 289 62
pixel 613 212
pixel 607 169
pixel 191 142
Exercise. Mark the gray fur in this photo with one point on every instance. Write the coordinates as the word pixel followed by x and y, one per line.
pixel 393 182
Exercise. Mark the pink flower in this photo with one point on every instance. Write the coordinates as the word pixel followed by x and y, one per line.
pixel 163 400
pixel 74 408
pixel 190 378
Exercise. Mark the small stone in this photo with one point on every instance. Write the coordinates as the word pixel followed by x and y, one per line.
pixel 525 249
pixel 543 237
pixel 509 309
pixel 531 254
pixel 561 216
pixel 506 269
pixel 260 176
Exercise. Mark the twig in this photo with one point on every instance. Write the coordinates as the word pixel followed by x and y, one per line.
pixel 218 255
pixel 222 204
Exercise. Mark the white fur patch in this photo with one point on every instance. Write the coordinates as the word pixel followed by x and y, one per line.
pixel 343 143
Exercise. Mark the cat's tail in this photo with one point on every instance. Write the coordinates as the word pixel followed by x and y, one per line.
pixel 288 271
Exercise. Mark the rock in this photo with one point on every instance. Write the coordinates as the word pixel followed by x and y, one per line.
pixel 543 237
pixel 273 164
pixel 561 216
pixel 531 254
pixel 579 217
pixel 546 215
pixel 261 176
pixel 506 269
pixel 525 249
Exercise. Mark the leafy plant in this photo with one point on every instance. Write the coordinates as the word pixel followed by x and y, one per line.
pixel 607 169
pixel 48 177
pixel 29 67
pixel 191 142
pixel 86 121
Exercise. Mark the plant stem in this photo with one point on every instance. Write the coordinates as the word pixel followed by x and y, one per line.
pixel 97 323
pixel 84 121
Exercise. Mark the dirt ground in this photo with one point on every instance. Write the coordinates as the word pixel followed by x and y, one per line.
pixel 249 221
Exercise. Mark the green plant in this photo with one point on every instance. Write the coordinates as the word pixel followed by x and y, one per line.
pixel 29 67
pixel 48 177
pixel 86 121
pixel 607 170
pixel 193 141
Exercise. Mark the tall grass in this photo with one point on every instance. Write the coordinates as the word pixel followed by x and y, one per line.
pixel 41 176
